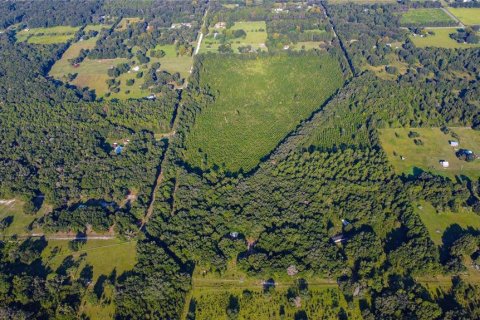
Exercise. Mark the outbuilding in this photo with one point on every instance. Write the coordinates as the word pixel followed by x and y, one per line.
pixel 453 143
pixel 444 163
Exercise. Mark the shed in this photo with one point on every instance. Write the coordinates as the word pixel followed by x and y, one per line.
pixel 453 143
pixel 444 163
pixel 118 150
pixel 339 238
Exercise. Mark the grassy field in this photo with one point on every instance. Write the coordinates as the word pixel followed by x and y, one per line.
pixel 441 39
pixel 211 293
pixel 438 222
pixel 396 143
pixel 19 221
pixel 468 16
pixel 105 257
pixel 327 303
pixel 306 45
pixel 258 101
pixel 50 35
pixel 93 73
pixel 125 22
pixel 360 1
pixel 425 17
pixel 254 38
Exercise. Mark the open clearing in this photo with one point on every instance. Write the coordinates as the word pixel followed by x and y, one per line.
pixel 212 294
pixel 11 210
pixel 256 37
pixel 257 102
pixel 327 303
pixel 396 144
pixel 468 16
pixel 105 257
pixel 93 73
pixel 441 39
pixel 60 34
pixel 426 17
pixel 438 222
pixel 360 1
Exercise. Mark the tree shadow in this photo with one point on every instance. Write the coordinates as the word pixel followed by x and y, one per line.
pixel 100 286
pixel 300 315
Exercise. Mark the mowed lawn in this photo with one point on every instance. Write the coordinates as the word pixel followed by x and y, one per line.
pixel 59 34
pixel 441 39
pixel 468 16
pixel 435 148
pixel 425 17
pixel 257 102
pixel 438 222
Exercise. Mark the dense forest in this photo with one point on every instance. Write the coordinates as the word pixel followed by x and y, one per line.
pixel 325 203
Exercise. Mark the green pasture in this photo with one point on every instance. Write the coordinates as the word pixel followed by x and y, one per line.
pixel 254 37
pixel 105 257
pixel 254 303
pixel 468 16
pixel 438 222
pixel 12 209
pixel 441 39
pixel 425 17
pixel 396 144
pixel 59 34
pixel 257 102
pixel 96 27
pixel 93 73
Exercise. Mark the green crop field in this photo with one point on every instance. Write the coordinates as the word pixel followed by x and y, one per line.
pixel 256 37
pixel 258 101
pixel 438 222
pixel 441 39
pixel 50 35
pixel 396 144
pixel 425 17
pixel 468 16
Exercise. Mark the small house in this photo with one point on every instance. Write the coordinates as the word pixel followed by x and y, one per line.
pixel 345 222
pixel 444 163
pixel 453 143
pixel 118 150
pixel 136 68
pixel 220 25
pixel 286 47
pixel 151 97
pixel 234 234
